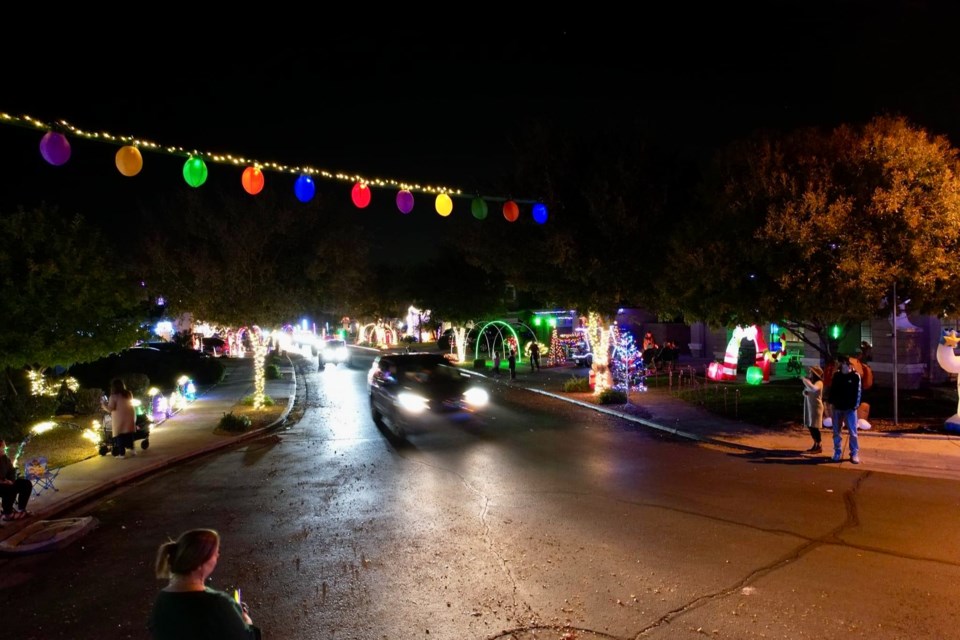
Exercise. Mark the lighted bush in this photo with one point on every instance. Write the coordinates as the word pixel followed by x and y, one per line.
pixel 576 384
pixel 612 396
pixel 233 423
pixel 248 401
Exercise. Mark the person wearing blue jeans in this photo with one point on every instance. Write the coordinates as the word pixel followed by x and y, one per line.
pixel 845 390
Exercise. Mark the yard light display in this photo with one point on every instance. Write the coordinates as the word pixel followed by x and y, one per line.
pixel 950 362
pixel 304 188
pixel 252 180
pixel 728 371
pixel 195 171
pixel 360 195
pixel 55 148
pixel 444 205
pixel 754 375
pixel 129 161
pixel 404 201
pixel 159 406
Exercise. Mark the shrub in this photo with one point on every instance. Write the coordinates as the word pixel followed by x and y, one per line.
pixel 272 372
pixel 233 423
pixel 248 401
pixel 137 383
pixel 612 396
pixel 576 384
pixel 88 400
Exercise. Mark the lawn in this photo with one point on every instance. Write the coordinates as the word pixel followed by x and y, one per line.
pixel 779 403
pixel 66 444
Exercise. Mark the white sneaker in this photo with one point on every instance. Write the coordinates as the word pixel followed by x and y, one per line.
pixel 855 458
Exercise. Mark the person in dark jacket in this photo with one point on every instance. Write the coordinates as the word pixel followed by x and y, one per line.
pixel 845 390
pixel 12 488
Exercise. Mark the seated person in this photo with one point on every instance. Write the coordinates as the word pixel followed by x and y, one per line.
pixel 12 487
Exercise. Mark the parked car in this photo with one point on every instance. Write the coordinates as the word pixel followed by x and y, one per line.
pixel 216 347
pixel 421 391
pixel 334 352
pixel 581 356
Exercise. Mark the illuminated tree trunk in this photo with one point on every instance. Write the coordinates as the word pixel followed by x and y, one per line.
pixel 259 377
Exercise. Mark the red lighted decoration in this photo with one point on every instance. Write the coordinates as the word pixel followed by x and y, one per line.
pixel 252 180
pixel 360 195
pixel 511 211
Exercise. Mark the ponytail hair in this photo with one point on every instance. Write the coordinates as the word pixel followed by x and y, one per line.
pixel 187 553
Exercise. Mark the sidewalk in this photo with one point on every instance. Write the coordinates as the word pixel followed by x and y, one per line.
pixel 185 435
pixel 190 433
pixel 924 455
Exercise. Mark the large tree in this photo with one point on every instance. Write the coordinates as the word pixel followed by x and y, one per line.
pixel 240 261
pixel 64 296
pixel 816 228
pixel 608 196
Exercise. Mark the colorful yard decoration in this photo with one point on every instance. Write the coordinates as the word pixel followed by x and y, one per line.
pixel 128 160
pixel 55 148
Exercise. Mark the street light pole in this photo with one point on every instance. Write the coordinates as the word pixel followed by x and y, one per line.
pixel 895 376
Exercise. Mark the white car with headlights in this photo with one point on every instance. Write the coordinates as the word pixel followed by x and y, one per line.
pixel 334 352
pixel 413 391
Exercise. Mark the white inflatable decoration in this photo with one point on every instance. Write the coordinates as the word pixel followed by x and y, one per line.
pixel 950 362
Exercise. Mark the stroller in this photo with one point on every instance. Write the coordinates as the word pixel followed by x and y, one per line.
pixel 108 443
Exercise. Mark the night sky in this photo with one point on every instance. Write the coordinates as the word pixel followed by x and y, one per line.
pixel 444 103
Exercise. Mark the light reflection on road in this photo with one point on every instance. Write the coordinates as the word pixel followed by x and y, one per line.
pixel 343 410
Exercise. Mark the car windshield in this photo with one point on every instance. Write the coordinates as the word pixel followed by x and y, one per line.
pixel 426 368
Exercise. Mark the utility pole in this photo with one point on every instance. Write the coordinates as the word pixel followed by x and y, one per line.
pixel 895 376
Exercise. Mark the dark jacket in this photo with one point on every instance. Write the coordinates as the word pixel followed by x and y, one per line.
pixel 845 391
pixel 7 470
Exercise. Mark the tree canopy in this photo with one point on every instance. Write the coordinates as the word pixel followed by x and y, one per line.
pixel 64 297
pixel 815 228
pixel 252 261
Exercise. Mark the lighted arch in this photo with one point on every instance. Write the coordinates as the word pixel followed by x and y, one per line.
pixel 728 371
pixel 499 325
pixel 385 335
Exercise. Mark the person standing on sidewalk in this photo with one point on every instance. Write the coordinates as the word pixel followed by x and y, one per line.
pixel 813 406
pixel 845 390
pixel 512 363
pixel 122 416
pixel 12 488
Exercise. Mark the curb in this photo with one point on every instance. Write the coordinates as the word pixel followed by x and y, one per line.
pixel 648 423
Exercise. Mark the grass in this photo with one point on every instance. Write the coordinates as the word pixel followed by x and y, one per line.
pixel 66 445
pixel 779 403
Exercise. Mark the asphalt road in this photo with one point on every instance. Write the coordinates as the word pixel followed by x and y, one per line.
pixel 547 521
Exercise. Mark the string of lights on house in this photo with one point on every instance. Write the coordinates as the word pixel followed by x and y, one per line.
pixel 56 150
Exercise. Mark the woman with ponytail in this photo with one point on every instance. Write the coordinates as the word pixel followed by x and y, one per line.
pixel 187 609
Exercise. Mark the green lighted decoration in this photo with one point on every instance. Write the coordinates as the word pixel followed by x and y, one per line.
pixel 835 332
pixel 536 321
pixel 194 171
pixel 479 208
pixel 497 324
pixel 754 375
